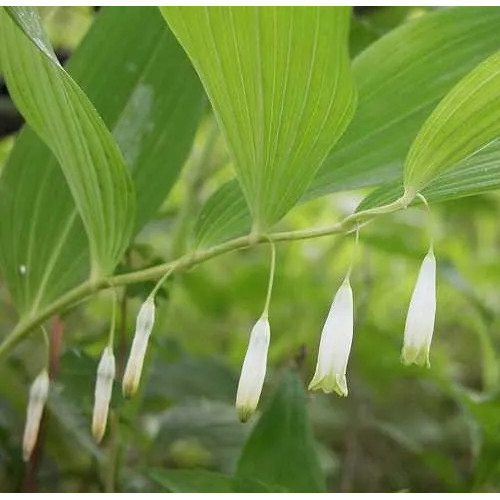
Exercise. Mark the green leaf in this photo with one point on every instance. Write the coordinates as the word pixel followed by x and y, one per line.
pixel 154 110
pixel 205 481
pixel 466 120
pixel 401 78
pixel 61 114
pixel 474 175
pixel 191 481
pixel 224 214
pixel 280 84
pixel 281 448
pixel 395 98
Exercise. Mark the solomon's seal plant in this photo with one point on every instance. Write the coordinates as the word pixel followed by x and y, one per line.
pixel 283 92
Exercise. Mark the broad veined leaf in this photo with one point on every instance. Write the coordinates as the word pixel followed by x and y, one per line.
pixel 395 98
pixel 401 78
pixel 280 84
pixel 61 114
pixel 143 85
pixel 466 120
pixel 225 213
pixel 284 424
pixel 474 175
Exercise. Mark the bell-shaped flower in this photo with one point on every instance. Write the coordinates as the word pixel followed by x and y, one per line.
pixel 102 393
pixel 335 344
pixel 143 328
pixel 38 396
pixel 253 371
pixel 421 314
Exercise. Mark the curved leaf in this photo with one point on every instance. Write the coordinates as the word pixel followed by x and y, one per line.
pixel 61 114
pixel 474 175
pixel 401 78
pixel 154 108
pixel 225 213
pixel 466 120
pixel 280 84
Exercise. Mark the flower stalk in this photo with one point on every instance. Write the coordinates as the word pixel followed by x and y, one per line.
pixel 106 371
pixel 253 370
pixel 336 338
pixel 419 326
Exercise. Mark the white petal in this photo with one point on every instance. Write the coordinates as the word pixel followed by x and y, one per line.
pixel 335 344
pixel 38 396
pixel 135 362
pixel 253 371
pixel 146 317
pixel 419 325
pixel 102 393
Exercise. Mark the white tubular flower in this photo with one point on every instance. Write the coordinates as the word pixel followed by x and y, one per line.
pixel 421 314
pixel 335 344
pixel 38 397
pixel 143 328
pixel 253 371
pixel 102 393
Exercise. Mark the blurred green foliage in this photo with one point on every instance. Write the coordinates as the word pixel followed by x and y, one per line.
pixel 400 429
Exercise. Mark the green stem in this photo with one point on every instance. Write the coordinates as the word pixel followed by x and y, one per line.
pixel 111 338
pixel 271 279
pixel 86 289
pixel 353 256
pixel 158 285
pixel 429 222
pixel 47 348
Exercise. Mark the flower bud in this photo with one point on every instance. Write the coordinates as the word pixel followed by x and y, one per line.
pixel 38 396
pixel 143 328
pixel 253 371
pixel 421 314
pixel 102 393
pixel 335 344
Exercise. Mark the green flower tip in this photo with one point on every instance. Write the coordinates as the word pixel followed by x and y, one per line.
pixel 244 413
pixel 415 355
pixel 330 383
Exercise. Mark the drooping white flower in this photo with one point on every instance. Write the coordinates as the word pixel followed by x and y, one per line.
pixel 421 315
pixel 102 393
pixel 253 371
pixel 143 328
pixel 335 344
pixel 38 396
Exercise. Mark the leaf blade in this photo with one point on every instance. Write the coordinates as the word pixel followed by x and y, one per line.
pixel 146 70
pixel 465 121
pixel 55 106
pixel 285 424
pixel 280 97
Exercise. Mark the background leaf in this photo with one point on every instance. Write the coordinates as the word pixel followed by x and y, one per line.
pixel 395 97
pixel 280 85
pixel 191 481
pixel 61 114
pixel 284 424
pixel 138 77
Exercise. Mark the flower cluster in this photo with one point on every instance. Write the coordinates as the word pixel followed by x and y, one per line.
pixel 331 367
pixel 336 340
